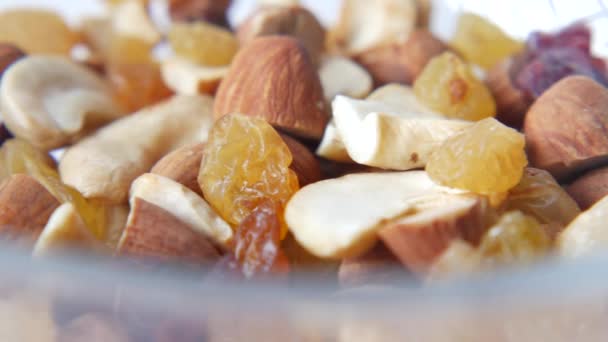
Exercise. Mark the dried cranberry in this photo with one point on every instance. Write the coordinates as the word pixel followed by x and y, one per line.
pixel 575 36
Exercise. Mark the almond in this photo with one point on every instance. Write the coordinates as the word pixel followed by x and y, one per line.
pixel 304 163
pixel 9 54
pixel 590 187
pixel 25 207
pixel 401 62
pixel 566 127
pixel 511 103
pixel 292 21
pixel 418 239
pixel 378 266
pixel 273 78
pixel 213 11
pixel 182 165
pixel 153 233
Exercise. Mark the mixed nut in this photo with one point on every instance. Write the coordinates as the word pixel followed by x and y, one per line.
pixel 281 146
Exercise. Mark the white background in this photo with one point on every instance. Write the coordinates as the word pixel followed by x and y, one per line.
pixel 517 17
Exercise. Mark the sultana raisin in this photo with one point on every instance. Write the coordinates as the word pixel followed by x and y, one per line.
pixel 487 157
pixel 245 162
pixel 203 43
pixel 137 85
pixel 257 241
pixel 447 85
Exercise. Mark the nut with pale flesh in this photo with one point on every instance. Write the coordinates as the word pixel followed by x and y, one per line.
pixel 459 259
pixel 263 3
pixel 51 101
pixel 104 164
pixel 274 79
pixel 401 62
pixel 184 204
pixel 400 97
pixel 93 327
pixel 379 135
pixel 130 18
pixel 293 21
pixel 361 204
pixel 341 76
pixel 332 146
pixel 367 24
pixel 511 103
pixel 588 232
pixel 182 165
pixel 25 207
pixel 187 78
pixel 66 232
pixel 303 162
pixel 420 238
pixel 589 188
pixel 566 127
pixel 153 233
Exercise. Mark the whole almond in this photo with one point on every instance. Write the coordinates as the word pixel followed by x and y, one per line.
pixel 401 62
pixel 511 103
pixel 25 207
pixel 566 127
pixel 292 21
pixel 273 78
pixel 182 165
pixel 589 188
pixel 304 163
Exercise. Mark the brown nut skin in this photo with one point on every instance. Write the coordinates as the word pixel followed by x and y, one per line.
pixel 25 207
pixel 292 21
pixel 378 267
pixel 153 233
pixel 589 188
pixel 511 103
pixel 401 63
pixel 566 128
pixel 182 165
pixel 304 163
pixel 9 54
pixel 274 79
pixel 213 11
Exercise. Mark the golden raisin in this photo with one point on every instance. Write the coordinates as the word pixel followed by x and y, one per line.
pixel 447 85
pixel 481 42
pixel 515 238
pixel 127 50
pixel 459 259
pixel 487 157
pixel 245 162
pixel 203 43
pixel 18 156
pixel 137 85
pixel 257 241
pixel 37 31
pixel 538 194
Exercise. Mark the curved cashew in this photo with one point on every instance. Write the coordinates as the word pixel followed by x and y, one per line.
pixel 104 164
pixel 52 101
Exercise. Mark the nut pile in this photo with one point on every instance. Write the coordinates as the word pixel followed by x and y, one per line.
pixel 280 146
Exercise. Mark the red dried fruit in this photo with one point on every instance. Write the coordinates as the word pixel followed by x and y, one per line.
pixel 257 241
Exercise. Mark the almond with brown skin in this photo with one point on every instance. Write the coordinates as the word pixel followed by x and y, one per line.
pixel 589 188
pixel 9 53
pixel 273 78
pixel 401 62
pixel 25 207
pixel 292 21
pixel 417 240
pixel 304 163
pixel 213 11
pixel 182 165
pixel 153 233
pixel 378 266
pixel 511 103
pixel 566 128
